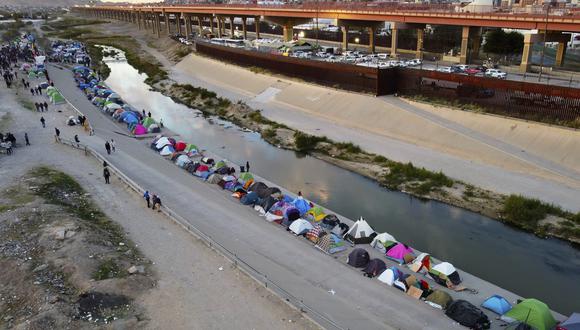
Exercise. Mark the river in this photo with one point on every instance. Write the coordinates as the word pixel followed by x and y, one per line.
pixel 546 269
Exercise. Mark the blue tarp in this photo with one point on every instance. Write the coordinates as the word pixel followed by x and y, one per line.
pixel 497 304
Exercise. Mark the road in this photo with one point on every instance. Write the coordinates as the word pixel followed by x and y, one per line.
pixel 336 291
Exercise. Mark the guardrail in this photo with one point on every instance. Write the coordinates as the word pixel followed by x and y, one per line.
pixel 238 262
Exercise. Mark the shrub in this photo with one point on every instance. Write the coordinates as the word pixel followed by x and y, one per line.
pixel 349 147
pixel 380 159
pixel 401 173
pixel 525 211
pixel 305 142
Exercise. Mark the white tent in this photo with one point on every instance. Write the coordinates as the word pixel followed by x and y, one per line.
pixel 360 233
pixel 162 142
pixel 379 241
pixel 445 268
pixel 166 151
pixel 182 160
pixel 111 107
pixel 387 277
pixel 300 226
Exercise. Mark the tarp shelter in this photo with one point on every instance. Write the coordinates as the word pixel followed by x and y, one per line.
pixel 182 160
pixel 358 258
pixel 443 272
pixel 421 262
pixel 439 299
pixel 390 275
pixel 111 107
pixel 572 323
pixel 190 147
pixel 57 98
pixel 398 252
pixel 300 226
pixel 468 315
pixel 331 243
pixel 360 233
pixel 380 240
pixel 148 121
pixel 315 213
pixel 114 97
pixel 533 313
pixel 375 267
pixel 497 304
pixel 167 150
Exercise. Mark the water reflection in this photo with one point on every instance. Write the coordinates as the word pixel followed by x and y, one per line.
pixel 517 261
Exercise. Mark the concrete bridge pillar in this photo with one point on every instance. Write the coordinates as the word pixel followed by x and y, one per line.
pixel 526 63
pixel 232 28
pixel 178 24
pixel 344 29
pixel 561 53
pixel 257 25
pixel 420 37
pixel 166 22
pixel 244 28
pixel 138 16
pixel 464 45
pixel 199 25
pixel 187 19
pixel 157 25
pixel 211 25
pixel 219 27
pixel 372 32
pixel 394 40
pixel 288 33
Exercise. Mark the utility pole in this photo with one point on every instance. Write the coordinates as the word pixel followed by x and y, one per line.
pixel 544 42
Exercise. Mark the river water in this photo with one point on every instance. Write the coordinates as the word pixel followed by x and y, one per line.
pixel 517 261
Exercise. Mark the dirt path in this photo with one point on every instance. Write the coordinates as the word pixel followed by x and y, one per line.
pixel 196 288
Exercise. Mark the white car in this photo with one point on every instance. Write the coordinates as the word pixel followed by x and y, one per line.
pixel 414 62
pixel 446 69
pixel 495 73
pixel 383 56
pixel 463 67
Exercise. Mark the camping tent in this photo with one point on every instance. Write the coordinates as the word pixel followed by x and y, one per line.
pixel 190 147
pixel 390 275
pixel 466 314
pixel 180 146
pixel 140 130
pixel 182 160
pixel 572 323
pixel 398 252
pixel 497 304
pixel 300 226
pixel 302 205
pixel 57 98
pixel 360 233
pixel 422 261
pixel 330 243
pixel 380 240
pixel 148 121
pixel 439 299
pixel 316 213
pixel 358 258
pixel 443 272
pixel 167 150
pixel 375 267
pixel 533 313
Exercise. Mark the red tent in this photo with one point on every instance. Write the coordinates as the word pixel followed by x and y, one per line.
pixel 180 146
pixel 202 168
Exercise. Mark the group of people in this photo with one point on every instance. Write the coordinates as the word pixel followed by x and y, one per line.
pixel 41 106
pixel 152 200
pixel 110 146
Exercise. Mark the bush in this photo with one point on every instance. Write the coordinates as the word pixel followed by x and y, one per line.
pixel 525 211
pixel 349 147
pixel 380 159
pixel 305 142
pixel 401 173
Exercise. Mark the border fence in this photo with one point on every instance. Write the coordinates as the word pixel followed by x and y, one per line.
pixel 524 100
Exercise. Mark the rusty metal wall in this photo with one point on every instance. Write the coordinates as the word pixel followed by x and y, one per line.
pixel 338 75
pixel 538 102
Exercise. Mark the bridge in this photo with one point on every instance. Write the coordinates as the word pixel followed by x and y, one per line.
pixel 548 25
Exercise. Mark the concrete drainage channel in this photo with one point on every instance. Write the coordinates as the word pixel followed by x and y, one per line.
pixel 307 311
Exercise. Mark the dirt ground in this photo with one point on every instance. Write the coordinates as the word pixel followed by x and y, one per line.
pixel 182 284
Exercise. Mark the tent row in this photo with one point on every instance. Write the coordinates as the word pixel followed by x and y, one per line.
pixel 108 101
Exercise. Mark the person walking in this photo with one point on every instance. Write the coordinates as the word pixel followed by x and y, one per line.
pixel 247 166
pixel 43 122
pixel 57 133
pixel 45 106
pixel 26 139
pixel 113 145
pixel 37 106
pixel 108 147
pixel 32 91
pixel 77 139
pixel 153 198
pixel 144 113
pixel 106 175
pixel 147 198
pixel 157 201
pixel 149 114
pixel 39 90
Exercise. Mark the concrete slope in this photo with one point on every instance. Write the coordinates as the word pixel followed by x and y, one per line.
pixel 489 154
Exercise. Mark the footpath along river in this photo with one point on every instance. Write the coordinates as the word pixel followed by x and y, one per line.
pixel 517 261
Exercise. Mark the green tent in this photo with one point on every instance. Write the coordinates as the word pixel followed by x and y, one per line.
pixel 533 313
pixel 31 74
pixel 439 298
pixel 56 98
pixel 220 164
pixel 190 147
pixel 148 121
pixel 316 213
pixel 246 176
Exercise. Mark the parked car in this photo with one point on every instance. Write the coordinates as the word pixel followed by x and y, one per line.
pixel 473 70
pixel 414 62
pixel 446 69
pixel 495 73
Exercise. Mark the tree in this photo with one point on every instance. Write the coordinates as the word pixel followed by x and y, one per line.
pixel 500 42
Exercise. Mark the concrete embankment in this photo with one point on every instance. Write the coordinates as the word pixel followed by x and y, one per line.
pixel 494 153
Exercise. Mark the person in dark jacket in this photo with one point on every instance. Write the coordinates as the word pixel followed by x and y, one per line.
pixel 106 175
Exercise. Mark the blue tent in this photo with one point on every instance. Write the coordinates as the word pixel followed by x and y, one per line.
pixel 130 119
pixel 572 323
pixel 497 304
pixel 302 205
pixel 80 68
